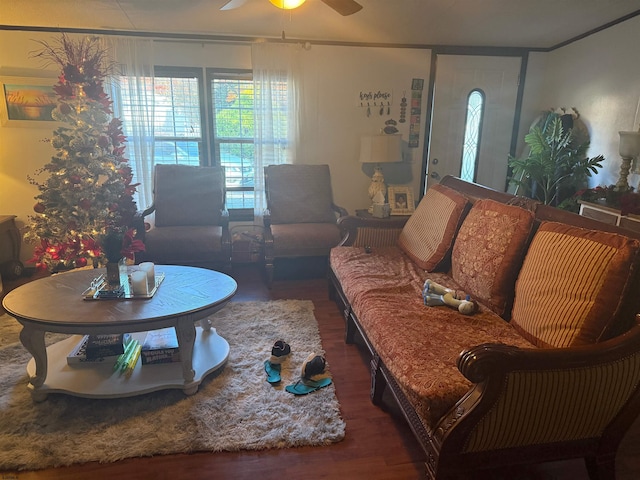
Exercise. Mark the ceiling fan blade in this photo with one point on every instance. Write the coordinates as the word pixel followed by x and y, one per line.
pixel 230 5
pixel 344 7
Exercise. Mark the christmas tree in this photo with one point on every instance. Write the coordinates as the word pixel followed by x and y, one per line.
pixel 85 206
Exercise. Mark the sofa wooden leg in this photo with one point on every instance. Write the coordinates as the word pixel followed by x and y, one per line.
pixel 377 381
pixel 601 468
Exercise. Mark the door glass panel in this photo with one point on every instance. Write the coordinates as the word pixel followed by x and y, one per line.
pixel 472 134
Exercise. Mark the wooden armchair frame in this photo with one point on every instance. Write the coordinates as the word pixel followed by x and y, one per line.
pixel 318 216
pixel 219 259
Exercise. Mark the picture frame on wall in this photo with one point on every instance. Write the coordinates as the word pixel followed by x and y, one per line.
pixel 401 200
pixel 27 101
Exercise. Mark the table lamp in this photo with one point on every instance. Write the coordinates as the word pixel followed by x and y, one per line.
pixel 629 149
pixel 378 149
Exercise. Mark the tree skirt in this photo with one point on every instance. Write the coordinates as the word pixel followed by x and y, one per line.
pixel 235 409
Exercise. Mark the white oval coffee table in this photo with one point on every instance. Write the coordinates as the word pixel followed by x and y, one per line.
pixel 55 304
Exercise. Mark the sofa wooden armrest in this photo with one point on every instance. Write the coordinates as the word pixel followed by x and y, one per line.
pixel 370 232
pixel 502 413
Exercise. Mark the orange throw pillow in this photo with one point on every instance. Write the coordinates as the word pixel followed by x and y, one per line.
pixel 488 252
pixel 571 285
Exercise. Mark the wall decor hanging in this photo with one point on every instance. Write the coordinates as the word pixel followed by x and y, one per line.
pixel 417 85
pixel 375 101
pixel 27 101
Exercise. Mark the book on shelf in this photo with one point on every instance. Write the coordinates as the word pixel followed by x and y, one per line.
pixel 160 346
pixel 105 345
pixel 78 354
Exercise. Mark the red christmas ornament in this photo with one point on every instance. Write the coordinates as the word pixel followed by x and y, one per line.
pixel 39 207
pixel 75 179
pixel 81 262
pixel 85 204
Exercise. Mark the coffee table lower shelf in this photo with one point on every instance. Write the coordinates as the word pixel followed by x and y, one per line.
pixel 98 380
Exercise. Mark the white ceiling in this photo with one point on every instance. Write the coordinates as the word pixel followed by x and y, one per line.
pixel 503 23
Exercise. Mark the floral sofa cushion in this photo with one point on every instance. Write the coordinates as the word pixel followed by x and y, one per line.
pixel 382 268
pixel 428 235
pixel 571 285
pixel 488 252
pixel 419 345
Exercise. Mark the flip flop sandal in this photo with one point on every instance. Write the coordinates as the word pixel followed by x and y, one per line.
pixel 314 377
pixel 279 353
pixel 273 372
pixel 303 387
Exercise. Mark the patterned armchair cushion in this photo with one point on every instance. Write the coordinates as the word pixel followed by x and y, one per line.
pixel 299 194
pixel 428 235
pixel 188 195
pixel 488 252
pixel 571 285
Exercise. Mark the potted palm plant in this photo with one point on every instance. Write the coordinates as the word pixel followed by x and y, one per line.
pixel 557 164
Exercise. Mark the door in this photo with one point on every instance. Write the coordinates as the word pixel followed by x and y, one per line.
pixel 456 77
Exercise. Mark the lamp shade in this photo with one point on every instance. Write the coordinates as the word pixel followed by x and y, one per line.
pixel 629 144
pixel 381 148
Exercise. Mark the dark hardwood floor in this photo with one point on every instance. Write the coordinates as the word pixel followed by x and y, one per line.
pixel 378 443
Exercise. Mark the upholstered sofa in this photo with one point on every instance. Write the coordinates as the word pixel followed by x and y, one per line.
pixel 548 366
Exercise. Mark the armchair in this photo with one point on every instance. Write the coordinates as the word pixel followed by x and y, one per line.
pixel 300 220
pixel 191 224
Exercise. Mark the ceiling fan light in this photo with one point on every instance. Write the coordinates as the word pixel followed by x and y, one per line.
pixel 287 4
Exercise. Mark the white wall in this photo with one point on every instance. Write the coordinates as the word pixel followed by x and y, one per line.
pixel 600 77
pixel 331 132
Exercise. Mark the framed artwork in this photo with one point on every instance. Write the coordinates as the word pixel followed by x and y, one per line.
pixel 27 102
pixel 401 200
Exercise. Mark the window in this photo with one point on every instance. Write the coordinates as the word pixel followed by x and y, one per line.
pixel 215 127
pixel 178 117
pixel 472 134
pixel 231 99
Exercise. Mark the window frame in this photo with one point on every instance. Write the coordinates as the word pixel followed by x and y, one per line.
pixel 212 73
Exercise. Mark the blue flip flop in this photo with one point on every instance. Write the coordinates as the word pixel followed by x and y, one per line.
pixel 279 353
pixel 303 387
pixel 273 372
pixel 313 377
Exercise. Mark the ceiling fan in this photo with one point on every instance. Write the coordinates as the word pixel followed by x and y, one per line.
pixel 343 7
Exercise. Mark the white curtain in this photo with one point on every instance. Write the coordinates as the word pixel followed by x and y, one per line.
pixel 277 110
pixel 132 94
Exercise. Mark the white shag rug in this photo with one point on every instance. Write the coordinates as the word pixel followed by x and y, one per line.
pixel 235 409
